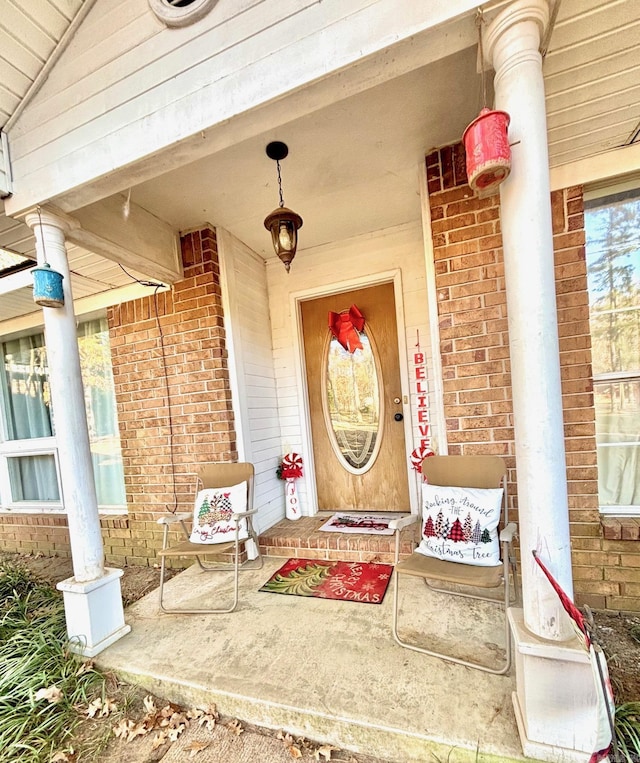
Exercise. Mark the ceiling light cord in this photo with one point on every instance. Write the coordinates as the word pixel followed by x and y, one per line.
pixel 280 183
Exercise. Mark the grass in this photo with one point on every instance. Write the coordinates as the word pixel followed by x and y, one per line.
pixel 628 731
pixel 34 656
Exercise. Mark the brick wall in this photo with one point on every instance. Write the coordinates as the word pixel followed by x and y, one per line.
pixel 160 452
pixel 472 314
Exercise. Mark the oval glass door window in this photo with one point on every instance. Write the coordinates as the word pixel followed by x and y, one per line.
pixel 352 403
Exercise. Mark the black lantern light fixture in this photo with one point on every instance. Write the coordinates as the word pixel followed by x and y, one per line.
pixel 282 222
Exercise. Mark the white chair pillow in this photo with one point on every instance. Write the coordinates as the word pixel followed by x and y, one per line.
pixel 212 512
pixel 461 524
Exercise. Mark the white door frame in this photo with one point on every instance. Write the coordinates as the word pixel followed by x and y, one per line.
pixel 394 276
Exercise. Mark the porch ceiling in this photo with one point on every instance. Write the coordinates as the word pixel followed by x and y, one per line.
pixel 352 167
pixel 592 78
pixel 90 273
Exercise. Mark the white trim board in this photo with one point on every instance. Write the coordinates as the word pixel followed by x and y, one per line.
pixel 597 170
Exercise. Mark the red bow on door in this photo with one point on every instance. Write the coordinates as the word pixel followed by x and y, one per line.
pixel 345 327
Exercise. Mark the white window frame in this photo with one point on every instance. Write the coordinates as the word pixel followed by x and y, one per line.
pixel 37 446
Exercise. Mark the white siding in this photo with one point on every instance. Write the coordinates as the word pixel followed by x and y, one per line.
pixel 248 331
pixel 127 88
pixel 332 268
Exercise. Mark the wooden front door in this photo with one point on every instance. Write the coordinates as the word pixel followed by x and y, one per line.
pixel 358 445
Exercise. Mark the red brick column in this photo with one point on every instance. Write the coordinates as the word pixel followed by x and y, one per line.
pixel 472 315
pixel 173 394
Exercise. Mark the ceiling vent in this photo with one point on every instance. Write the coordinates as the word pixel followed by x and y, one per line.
pixel 177 13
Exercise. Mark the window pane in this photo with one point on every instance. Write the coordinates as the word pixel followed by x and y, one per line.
pixel 615 338
pixel 102 420
pixel 27 394
pixel 353 403
pixel 618 438
pixel 33 478
pixel 613 260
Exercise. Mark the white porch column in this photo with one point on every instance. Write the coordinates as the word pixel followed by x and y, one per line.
pixel 512 42
pixel 555 698
pixel 93 604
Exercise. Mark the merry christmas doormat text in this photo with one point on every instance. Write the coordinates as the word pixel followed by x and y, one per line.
pixel 364 582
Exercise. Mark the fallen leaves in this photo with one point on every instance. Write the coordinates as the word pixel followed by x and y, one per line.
pixel 195 747
pixel 68 756
pixel 85 667
pixel 297 747
pixel 325 750
pixel 295 750
pixel 122 729
pixel 159 739
pixel 168 724
pixel 236 727
pixel 52 694
pixel 207 718
pixel 100 708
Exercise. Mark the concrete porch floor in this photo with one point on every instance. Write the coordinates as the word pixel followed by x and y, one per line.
pixel 328 670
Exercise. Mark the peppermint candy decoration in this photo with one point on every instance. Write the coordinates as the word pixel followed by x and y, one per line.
pixel 417 457
pixel 291 466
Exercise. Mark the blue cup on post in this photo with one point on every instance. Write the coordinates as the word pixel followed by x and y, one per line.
pixel 47 286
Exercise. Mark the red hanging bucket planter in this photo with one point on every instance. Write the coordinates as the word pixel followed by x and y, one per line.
pixel 487 150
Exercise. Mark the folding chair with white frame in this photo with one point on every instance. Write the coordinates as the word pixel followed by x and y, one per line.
pixel 467 472
pixel 237 478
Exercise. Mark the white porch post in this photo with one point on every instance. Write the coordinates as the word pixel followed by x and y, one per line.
pixel 512 42
pixel 555 698
pixel 93 604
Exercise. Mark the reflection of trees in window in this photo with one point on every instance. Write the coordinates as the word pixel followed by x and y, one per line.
pixel 353 401
pixel 613 247
pixel 97 377
pixel 352 383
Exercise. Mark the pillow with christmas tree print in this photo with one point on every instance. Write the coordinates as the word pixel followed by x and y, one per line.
pixel 461 524
pixel 212 521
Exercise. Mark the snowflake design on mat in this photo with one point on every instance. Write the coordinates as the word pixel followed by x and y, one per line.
pixel 369 587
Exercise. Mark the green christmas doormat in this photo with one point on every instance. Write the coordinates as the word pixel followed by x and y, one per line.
pixel 348 581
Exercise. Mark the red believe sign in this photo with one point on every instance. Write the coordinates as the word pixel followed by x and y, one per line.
pixel 424 426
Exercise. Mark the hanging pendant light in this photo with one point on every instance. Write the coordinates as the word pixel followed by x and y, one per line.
pixel 282 222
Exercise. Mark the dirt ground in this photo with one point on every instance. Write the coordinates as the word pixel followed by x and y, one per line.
pixel 618 633
pixel 619 636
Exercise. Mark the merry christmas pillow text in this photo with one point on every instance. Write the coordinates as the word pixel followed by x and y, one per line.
pixel 212 512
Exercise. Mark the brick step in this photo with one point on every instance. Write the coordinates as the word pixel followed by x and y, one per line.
pixel 302 538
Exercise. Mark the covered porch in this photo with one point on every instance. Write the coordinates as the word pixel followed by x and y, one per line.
pixel 328 670
pixel 358 134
